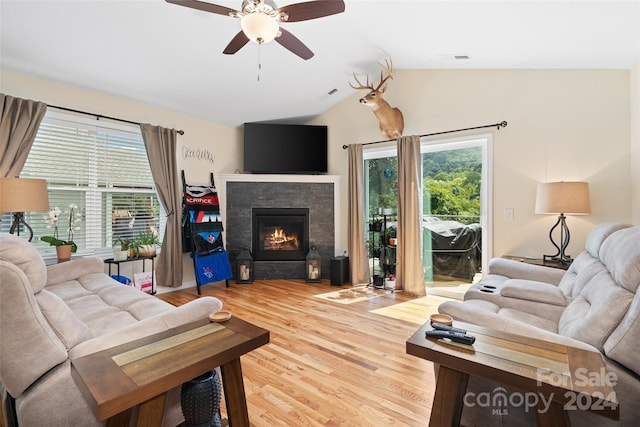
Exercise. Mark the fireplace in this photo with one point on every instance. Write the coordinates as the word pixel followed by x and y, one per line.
pixel 280 234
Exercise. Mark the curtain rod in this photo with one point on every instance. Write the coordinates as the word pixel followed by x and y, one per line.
pixel 498 125
pixel 100 116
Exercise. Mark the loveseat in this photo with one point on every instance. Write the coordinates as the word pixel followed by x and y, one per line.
pixel 593 305
pixel 50 315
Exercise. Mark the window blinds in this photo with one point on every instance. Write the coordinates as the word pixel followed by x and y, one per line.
pixel 104 171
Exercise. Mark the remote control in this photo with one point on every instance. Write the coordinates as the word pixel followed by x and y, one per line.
pixel 453 336
pixel 441 327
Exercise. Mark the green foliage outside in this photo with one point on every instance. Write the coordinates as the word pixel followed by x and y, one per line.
pixel 451 183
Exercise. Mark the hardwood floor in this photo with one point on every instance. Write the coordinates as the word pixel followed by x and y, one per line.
pixel 329 364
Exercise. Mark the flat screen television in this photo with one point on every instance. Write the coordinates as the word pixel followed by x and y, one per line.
pixel 278 148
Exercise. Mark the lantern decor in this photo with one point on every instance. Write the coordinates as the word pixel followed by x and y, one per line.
pixel 245 266
pixel 313 266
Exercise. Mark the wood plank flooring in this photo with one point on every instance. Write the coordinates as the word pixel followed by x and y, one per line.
pixel 329 364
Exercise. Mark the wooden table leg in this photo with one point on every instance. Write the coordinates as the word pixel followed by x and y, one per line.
pixel 555 415
pixel 123 419
pixel 448 401
pixel 151 412
pixel 234 396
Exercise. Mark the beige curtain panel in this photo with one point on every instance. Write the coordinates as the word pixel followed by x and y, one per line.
pixel 358 256
pixel 161 152
pixel 19 123
pixel 409 268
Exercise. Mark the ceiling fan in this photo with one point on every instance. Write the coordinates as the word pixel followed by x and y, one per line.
pixel 260 21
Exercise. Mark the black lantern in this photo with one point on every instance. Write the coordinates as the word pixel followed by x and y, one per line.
pixel 245 266
pixel 313 266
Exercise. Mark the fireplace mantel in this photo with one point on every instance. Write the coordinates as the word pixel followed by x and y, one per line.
pixel 243 177
pixel 249 191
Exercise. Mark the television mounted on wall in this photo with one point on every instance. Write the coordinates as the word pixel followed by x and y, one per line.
pixel 285 149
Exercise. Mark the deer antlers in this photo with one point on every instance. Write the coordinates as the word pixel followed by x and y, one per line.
pixel 388 67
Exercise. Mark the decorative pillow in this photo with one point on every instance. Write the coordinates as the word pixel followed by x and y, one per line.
pixel 64 323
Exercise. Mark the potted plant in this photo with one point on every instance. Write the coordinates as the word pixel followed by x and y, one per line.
pixel 375 224
pixel 64 248
pixel 129 246
pixel 121 249
pixel 147 242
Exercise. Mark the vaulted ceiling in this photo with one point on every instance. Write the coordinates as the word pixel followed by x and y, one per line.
pixel 171 56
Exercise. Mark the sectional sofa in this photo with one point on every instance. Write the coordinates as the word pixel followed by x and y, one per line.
pixel 593 305
pixel 51 315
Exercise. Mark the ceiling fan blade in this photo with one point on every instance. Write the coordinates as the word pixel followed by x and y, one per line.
pixel 207 7
pixel 236 43
pixel 312 9
pixel 291 42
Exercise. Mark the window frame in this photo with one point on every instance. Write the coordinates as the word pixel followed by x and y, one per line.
pixel 93 192
pixel 485 141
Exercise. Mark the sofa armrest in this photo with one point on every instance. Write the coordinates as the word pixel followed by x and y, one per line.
pixel 530 290
pixel 189 312
pixel 521 270
pixel 70 270
pixel 480 313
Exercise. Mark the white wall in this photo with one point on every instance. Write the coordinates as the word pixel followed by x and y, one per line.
pixel 563 125
pixel 634 90
pixel 223 141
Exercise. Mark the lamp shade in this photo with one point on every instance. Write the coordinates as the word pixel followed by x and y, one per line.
pixel 259 27
pixel 563 197
pixel 23 195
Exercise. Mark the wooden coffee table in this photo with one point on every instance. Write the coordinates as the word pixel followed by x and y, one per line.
pixel 140 373
pixel 570 377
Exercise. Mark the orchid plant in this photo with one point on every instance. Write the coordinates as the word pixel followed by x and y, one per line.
pixel 52 220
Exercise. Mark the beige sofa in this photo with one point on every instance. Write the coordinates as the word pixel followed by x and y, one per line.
pixel 593 305
pixel 50 315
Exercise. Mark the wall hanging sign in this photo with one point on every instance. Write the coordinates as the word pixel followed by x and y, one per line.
pixel 198 154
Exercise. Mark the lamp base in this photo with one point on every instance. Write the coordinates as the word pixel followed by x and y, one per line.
pixel 560 256
pixel 18 218
pixel 564 259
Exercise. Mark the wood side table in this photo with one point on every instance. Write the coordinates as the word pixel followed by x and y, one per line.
pixel 570 378
pixel 537 261
pixel 117 379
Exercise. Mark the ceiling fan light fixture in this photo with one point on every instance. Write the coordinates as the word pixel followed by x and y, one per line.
pixel 259 27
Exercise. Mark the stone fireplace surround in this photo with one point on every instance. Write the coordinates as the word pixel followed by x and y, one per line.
pixel 239 193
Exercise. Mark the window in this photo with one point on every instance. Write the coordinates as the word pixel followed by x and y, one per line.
pixel 100 168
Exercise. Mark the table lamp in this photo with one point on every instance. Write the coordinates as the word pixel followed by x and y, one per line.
pixel 562 198
pixel 20 195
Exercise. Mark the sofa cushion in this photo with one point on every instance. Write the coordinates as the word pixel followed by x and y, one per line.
pixel 604 300
pixel 622 345
pixel 105 305
pixel 596 312
pixel 599 233
pixel 621 255
pixel 63 322
pixel 70 270
pixel 581 271
pixel 22 254
pixel 534 291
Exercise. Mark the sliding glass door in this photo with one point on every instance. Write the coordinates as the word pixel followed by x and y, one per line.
pixel 455 189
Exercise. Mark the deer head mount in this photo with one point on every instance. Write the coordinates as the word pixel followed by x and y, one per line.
pixel 390 118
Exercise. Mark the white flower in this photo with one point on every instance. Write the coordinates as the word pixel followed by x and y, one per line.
pixel 52 217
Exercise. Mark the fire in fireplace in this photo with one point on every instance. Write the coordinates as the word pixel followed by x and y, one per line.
pixel 280 234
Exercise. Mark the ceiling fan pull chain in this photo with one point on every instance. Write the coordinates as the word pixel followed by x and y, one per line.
pixel 259 59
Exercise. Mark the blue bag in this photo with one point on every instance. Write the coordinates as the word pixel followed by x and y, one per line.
pixel 213 267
